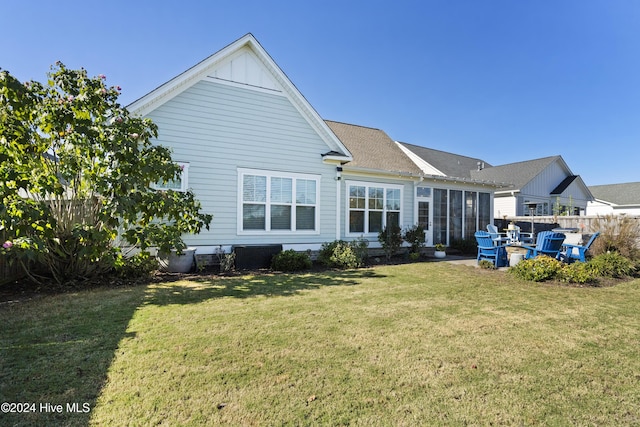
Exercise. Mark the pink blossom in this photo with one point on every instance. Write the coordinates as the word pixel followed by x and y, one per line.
pixel 7 244
pixel 134 135
pixel 118 88
pixel 70 98
pixel 103 91
pixel 102 76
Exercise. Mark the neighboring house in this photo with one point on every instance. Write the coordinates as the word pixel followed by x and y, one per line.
pixel 615 199
pixel 271 171
pixel 545 185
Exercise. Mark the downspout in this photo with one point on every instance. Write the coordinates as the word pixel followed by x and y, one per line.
pixel 338 215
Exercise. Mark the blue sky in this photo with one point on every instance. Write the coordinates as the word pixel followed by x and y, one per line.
pixel 502 80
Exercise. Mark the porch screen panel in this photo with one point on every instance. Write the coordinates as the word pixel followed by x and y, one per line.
pixel 484 210
pixel 439 216
pixel 455 215
pixel 470 214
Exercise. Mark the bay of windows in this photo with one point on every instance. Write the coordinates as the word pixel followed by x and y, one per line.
pixel 373 207
pixel 278 202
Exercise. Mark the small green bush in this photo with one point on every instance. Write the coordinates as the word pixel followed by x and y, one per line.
pixel 391 239
pixel 612 264
pixel 578 272
pixel 291 260
pixel 537 269
pixel 341 254
pixel 486 264
pixel 138 266
pixel 415 237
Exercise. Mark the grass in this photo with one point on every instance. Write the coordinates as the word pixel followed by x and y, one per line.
pixel 416 344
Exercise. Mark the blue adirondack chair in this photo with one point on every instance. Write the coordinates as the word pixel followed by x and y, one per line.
pixel 570 255
pixel 489 251
pixel 549 243
pixel 497 237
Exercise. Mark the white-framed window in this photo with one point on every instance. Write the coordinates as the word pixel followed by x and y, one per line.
pixel 372 206
pixel 180 184
pixel 277 202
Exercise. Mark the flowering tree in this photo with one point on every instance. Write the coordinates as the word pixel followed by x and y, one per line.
pixel 76 177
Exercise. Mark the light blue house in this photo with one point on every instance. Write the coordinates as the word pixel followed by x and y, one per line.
pixel 272 171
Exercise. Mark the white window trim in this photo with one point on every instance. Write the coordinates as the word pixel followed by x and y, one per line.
pixel 277 174
pixel 184 179
pixel 369 184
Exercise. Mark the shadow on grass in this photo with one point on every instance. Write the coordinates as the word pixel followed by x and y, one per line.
pixel 201 288
pixel 55 353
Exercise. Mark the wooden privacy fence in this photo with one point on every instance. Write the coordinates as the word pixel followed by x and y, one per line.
pixel 582 223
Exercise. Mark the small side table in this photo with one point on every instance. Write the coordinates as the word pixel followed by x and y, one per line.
pixel 515 258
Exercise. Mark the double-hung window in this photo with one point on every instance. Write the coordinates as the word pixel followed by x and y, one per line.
pixel 373 206
pixel 277 202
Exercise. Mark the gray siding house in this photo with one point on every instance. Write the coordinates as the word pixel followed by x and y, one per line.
pixel 272 171
pixel 545 185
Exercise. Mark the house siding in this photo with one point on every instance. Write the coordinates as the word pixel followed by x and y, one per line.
pixel 218 128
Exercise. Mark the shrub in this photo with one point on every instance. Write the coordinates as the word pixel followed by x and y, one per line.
pixel 486 264
pixel 391 239
pixel 360 247
pixel 291 260
pixel 537 269
pixel 578 272
pixel 341 254
pixel 227 262
pixel 415 237
pixel 139 266
pixel 618 233
pixel 612 264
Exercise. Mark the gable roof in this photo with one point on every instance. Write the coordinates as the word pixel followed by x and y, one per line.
pixel 373 149
pixel 243 62
pixel 519 174
pixel 450 164
pixel 618 194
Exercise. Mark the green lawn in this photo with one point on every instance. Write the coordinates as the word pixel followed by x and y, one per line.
pixel 416 344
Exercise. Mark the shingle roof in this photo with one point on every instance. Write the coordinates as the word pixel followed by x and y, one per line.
pixel 519 174
pixel 619 194
pixel 453 165
pixel 372 149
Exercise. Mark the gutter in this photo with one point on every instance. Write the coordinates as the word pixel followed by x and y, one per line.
pixel 424 177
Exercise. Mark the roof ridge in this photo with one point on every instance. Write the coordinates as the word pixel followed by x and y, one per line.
pixel 557 156
pixel 360 126
pixel 440 151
